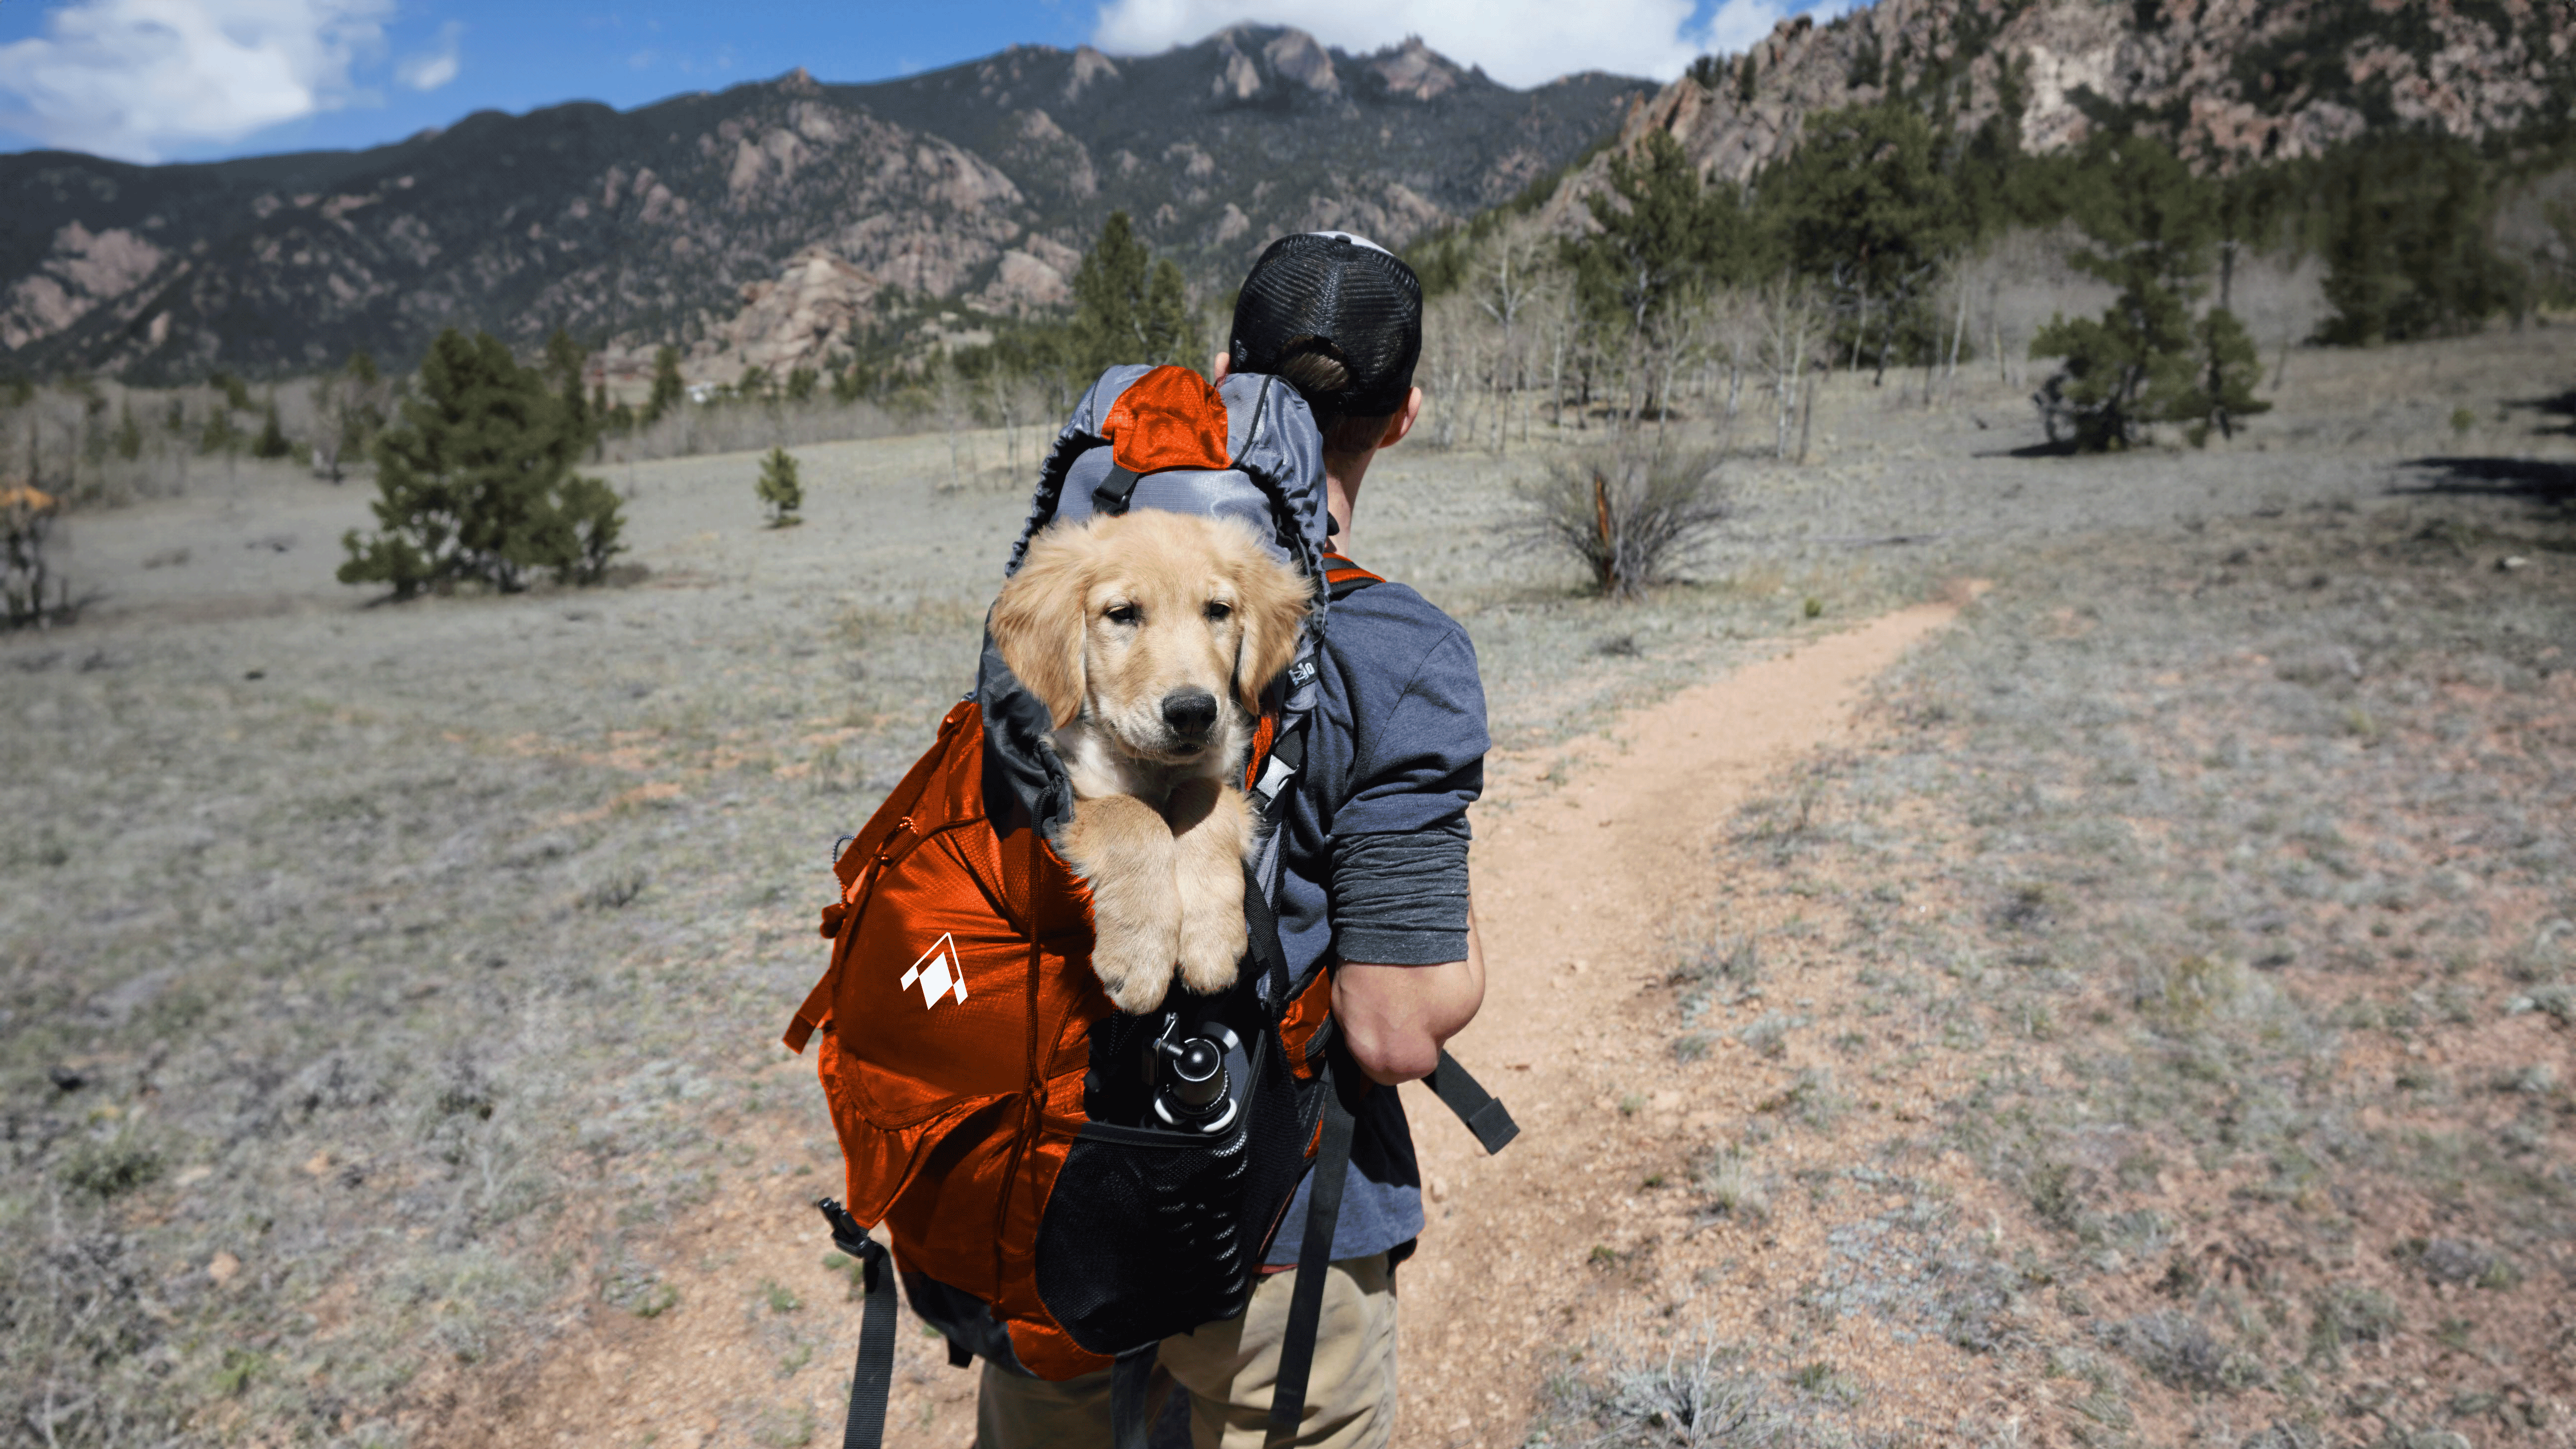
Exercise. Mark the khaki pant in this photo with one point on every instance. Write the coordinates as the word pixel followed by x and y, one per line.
pixel 1228 1369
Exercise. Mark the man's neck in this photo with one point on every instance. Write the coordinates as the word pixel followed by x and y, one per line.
pixel 1341 495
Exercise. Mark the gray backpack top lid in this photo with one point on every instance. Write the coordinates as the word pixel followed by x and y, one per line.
pixel 1275 482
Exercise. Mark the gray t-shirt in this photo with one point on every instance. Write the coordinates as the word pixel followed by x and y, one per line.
pixel 1375 860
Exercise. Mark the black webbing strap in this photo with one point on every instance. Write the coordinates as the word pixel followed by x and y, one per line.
pixel 1463 1094
pixel 1314 1260
pixel 872 1382
pixel 1261 937
pixel 1112 495
pixel 1131 1380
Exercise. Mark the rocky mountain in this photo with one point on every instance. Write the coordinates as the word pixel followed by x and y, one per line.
pixel 769 216
pixel 2228 81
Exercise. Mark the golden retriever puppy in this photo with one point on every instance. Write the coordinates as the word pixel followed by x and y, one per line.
pixel 1149 637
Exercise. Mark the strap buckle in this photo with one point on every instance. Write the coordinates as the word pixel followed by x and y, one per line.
pixel 1287 757
pixel 853 1240
pixel 1115 491
pixel 1274 780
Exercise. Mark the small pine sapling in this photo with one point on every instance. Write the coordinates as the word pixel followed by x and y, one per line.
pixel 272 441
pixel 780 490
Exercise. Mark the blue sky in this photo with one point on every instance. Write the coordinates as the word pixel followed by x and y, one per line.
pixel 152 80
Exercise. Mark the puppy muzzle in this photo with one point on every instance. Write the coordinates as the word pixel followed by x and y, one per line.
pixel 1189 714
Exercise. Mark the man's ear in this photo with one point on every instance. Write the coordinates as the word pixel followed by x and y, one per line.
pixel 1272 605
pixel 1220 365
pixel 1039 621
pixel 1403 421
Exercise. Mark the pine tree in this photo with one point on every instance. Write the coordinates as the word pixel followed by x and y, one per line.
pixel 219 435
pixel 1662 238
pixel 2407 249
pixel 779 488
pixel 1865 207
pixel 272 441
pixel 565 359
pixel 361 407
pixel 129 433
pixel 2154 228
pixel 668 390
pixel 476 482
pixel 1127 306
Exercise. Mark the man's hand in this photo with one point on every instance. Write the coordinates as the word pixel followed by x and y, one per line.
pixel 1396 1018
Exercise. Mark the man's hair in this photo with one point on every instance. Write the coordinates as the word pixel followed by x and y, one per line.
pixel 1338 318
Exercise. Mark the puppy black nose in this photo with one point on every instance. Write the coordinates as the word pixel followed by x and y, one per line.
pixel 1190 712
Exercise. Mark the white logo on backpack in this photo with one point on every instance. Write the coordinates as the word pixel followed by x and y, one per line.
pixel 938 974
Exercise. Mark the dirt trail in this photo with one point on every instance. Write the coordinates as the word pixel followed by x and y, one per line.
pixel 1583 855
pixel 1575 886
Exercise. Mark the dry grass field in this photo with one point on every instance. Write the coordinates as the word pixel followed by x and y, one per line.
pixel 389 995
pixel 2156 1031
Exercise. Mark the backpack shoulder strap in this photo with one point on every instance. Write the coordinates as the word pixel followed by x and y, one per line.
pixel 1343 578
pixel 1280 751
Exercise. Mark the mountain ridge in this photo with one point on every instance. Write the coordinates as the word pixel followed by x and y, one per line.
pixel 980 182
pixel 2227 82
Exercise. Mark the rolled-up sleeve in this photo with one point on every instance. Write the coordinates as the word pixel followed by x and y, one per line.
pixel 1399 840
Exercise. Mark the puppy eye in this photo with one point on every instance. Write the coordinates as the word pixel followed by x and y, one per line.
pixel 1220 611
pixel 1123 614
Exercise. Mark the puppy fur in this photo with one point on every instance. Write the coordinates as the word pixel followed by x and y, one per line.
pixel 1149 637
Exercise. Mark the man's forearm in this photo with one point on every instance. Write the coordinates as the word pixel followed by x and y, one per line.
pixel 1396 1018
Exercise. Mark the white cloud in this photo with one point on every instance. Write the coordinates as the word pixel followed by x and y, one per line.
pixel 430 69
pixel 1518 42
pixel 133 78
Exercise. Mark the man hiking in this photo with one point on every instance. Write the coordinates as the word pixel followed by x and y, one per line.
pixel 1374 884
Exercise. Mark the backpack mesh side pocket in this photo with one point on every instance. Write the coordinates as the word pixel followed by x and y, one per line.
pixel 1149 1233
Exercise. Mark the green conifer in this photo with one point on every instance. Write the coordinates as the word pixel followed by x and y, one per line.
pixel 779 488
pixel 668 390
pixel 272 441
pixel 476 482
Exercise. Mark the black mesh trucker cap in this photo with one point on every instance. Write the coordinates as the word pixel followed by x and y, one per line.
pixel 1333 292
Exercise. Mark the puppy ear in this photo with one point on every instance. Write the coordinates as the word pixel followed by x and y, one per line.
pixel 1039 621
pixel 1273 603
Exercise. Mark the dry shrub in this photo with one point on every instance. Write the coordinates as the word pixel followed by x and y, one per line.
pixel 1689 1393
pixel 1631 513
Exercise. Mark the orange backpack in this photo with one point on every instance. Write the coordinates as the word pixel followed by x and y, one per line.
pixel 1065 1185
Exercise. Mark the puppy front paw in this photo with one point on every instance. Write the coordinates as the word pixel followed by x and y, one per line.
pixel 1212 943
pixel 1122 848
pixel 1134 967
pixel 1214 827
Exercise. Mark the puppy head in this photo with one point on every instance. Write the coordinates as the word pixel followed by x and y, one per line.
pixel 1162 628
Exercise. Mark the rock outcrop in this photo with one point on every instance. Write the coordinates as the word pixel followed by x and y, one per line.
pixel 2228 81
pixel 797 319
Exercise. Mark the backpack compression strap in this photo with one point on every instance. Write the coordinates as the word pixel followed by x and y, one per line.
pixel 873 1380
pixel 1315 1252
